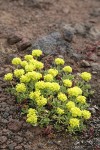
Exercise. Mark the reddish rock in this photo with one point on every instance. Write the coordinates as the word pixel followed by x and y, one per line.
pixel 15 125
pixel 14 38
pixel 24 44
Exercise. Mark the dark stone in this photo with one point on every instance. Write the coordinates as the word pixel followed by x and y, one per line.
pixel 14 125
pixel 14 38
pixel 23 45
pixel 96 12
pixel 80 29
pixel 11 146
pixel 85 63
pixel 52 43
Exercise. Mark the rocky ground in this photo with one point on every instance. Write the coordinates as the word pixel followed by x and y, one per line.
pixel 64 28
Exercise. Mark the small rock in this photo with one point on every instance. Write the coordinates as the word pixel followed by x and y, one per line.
pixel 95 33
pixel 80 29
pixel 29 135
pixel 18 139
pixel 66 10
pixel 14 38
pixel 93 111
pixel 12 146
pixel 23 45
pixel 85 63
pixel 19 147
pixel 3 139
pixel 76 56
pixel 40 145
pixel 95 66
pixel 68 32
pixel 14 125
pixel 93 57
pixel 96 12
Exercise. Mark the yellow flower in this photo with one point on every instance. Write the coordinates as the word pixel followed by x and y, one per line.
pixel 86 114
pixel 70 105
pixel 48 77
pixel 16 61
pixel 54 87
pixel 20 87
pixel 34 95
pixel 40 85
pixel 59 61
pixel 67 69
pixel 8 77
pixel 18 73
pixel 62 97
pixel 86 76
pixel 81 99
pixel 28 57
pixel 31 116
pixel 23 63
pixel 74 122
pixel 76 112
pixel 67 83
pixel 39 65
pixel 53 72
pixel 75 91
pixel 36 53
pixel 34 75
pixel 60 111
pixel 30 67
pixel 41 101
pixel 24 79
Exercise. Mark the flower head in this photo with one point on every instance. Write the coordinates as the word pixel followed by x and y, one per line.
pixel 60 111
pixel 35 95
pixel 62 97
pixel 86 114
pixel 30 67
pixel 53 72
pixel 23 63
pixel 16 61
pixel 36 53
pixel 48 77
pixel 86 76
pixel 74 122
pixel 74 91
pixel 20 87
pixel 28 57
pixel 59 61
pixel 75 111
pixel 70 105
pixel 31 116
pixel 18 72
pixel 67 83
pixel 81 99
pixel 8 77
pixel 67 69
pixel 41 101
pixel 24 79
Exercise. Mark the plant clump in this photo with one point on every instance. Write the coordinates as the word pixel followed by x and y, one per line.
pixel 54 96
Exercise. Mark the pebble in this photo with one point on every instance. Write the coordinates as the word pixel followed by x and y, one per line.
pixel 94 33
pixel 3 139
pixel 85 63
pixel 12 146
pixel 93 111
pixel 93 57
pixel 24 44
pixel 19 147
pixel 14 38
pixel 80 28
pixel 95 66
pixel 14 125
pixel 18 139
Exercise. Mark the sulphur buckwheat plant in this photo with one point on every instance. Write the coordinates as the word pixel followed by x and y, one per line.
pixel 54 96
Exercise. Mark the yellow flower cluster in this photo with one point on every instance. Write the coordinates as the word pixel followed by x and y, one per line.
pixel 74 122
pixel 81 99
pixel 59 61
pixel 67 69
pixel 86 76
pixel 53 72
pixel 24 79
pixel 40 85
pixel 36 53
pixel 31 116
pixel 18 72
pixel 34 95
pixel 70 105
pixel 48 77
pixel 41 101
pixel 20 88
pixel 16 61
pixel 39 65
pixel 67 83
pixel 60 111
pixel 23 63
pixel 34 75
pixel 30 67
pixel 74 91
pixel 8 77
pixel 62 97
pixel 86 114
pixel 76 112
pixel 28 57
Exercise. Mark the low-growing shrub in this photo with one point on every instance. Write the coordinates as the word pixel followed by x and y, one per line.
pixel 54 96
